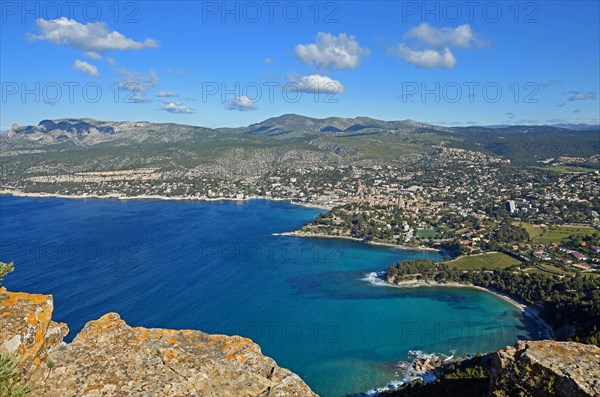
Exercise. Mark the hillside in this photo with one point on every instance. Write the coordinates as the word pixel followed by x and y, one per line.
pixel 76 145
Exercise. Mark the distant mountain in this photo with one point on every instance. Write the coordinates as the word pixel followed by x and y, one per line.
pixel 578 127
pixel 87 132
pixel 290 123
pixel 296 138
pixel 573 127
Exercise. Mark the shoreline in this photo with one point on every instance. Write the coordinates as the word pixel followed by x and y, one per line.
pixel 390 245
pixel 116 196
pixel 527 310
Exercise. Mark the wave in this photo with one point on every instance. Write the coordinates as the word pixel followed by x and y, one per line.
pixel 375 278
pixel 404 369
pixel 393 385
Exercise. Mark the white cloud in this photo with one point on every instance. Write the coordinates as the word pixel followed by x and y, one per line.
pixel 268 61
pixel 94 37
pixel 427 59
pixel 460 37
pixel 137 84
pixel 111 61
pixel 93 55
pixel 579 96
pixel 163 94
pixel 329 51
pixel 86 68
pixel 241 103
pixel 318 84
pixel 430 47
pixel 148 80
pixel 177 107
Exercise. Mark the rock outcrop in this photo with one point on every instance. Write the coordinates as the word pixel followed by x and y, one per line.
pixel 110 358
pixel 26 327
pixel 546 368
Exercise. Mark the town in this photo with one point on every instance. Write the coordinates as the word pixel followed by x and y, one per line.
pixel 458 201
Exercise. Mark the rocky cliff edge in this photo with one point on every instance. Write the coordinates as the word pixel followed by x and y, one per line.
pixel 546 368
pixel 110 358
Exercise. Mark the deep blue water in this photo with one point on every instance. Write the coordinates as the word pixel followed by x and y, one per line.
pixel 217 267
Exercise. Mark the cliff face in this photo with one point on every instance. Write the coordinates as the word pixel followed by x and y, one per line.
pixel 110 358
pixel 546 368
pixel 26 327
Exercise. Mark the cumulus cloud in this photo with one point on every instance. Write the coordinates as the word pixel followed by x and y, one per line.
pixel 430 47
pixel 427 59
pixel 329 51
pixel 268 61
pixel 241 103
pixel 579 96
pixel 177 108
pixel 86 68
pixel 94 38
pixel 460 37
pixel 111 61
pixel 318 84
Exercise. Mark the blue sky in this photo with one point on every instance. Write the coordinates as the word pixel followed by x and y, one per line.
pixel 236 63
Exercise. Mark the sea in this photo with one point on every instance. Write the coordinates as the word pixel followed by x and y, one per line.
pixel 317 306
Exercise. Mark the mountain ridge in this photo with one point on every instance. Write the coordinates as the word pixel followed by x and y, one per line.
pixel 291 137
pixel 284 123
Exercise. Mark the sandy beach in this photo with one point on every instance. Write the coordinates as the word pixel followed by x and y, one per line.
pixel 528 311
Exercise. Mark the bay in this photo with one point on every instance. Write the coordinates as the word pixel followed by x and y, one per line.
pixel 219 268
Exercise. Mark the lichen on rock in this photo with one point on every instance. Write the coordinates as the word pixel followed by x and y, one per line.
pixel 110 358
pixel 546 368
pixel 27 330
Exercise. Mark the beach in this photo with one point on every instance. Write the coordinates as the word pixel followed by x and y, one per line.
pixel 531 312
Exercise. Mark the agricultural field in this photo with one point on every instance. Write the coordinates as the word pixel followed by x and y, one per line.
pixel 427 233
pixel 490 261
pixel 554 234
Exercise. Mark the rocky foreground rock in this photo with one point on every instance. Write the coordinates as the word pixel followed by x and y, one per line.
pixel 110 358
pixel 546 368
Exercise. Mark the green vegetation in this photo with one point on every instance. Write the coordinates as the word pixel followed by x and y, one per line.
pixel 492 260
pixel 427 233
pixel 10 382
pixel 551 269
pixel 565 169
pixel 556 234
pixel 538 144
pixel 509 233
pixel 532 230
pixel 5 268
pixel 466 378
pixel 572 301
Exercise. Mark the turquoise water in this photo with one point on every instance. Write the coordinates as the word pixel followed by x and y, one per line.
pixel 217 267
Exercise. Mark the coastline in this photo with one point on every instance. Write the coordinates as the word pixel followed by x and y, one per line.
pixel 19 193
pixel 529 311
pixel 390 245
